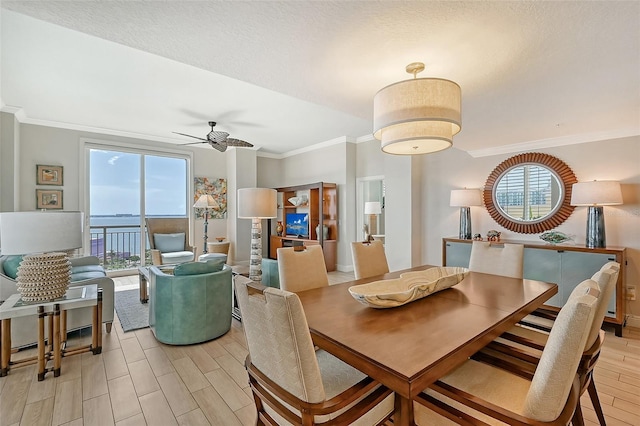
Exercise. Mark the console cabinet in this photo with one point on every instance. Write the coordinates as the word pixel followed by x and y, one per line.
pixel 564 265
pixel 322 210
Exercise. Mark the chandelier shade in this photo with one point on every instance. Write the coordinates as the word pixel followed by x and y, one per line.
pixel 417 116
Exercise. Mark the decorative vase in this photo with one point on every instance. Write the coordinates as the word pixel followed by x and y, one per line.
pixel 279 228
pixel 325 232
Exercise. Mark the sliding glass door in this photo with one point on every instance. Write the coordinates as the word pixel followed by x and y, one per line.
pixel 124 188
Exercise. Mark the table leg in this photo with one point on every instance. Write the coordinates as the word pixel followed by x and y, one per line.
pixel 96 329
pixel 41 343
pixel 63 328
pixel 5 346
pixel 403 412
pixel 57 355
pixel 144 297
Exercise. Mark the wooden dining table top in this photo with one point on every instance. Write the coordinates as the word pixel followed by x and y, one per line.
pixel 407 348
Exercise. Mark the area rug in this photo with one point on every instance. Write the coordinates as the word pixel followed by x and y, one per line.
pixel 132 314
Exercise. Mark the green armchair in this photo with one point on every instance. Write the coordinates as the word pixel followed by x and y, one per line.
pixel 192 305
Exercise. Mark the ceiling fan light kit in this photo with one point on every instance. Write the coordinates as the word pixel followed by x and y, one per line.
pixel 217 139
pixel 417 116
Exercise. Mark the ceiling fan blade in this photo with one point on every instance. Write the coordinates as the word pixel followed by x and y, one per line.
pixel 189 136
pixel 192 143
pixel 219 147
pixel 217 136
pixel 237 142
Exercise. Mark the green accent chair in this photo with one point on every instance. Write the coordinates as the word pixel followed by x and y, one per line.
pixel 270 275
pixel 192 305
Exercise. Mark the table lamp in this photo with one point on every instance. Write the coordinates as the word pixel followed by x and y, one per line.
pixel 465 198
pixel 206 202
pixel 43 239
pixel 595 195
pixel 373 209
pixel 257 204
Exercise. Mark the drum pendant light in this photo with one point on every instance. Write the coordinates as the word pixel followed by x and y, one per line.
pixel 417 116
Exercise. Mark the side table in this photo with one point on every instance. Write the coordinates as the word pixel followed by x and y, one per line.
pixel 56 311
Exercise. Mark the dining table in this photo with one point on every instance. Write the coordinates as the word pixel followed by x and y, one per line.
pixel 409 347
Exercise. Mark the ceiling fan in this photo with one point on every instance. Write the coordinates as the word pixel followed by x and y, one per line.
pixel 217 139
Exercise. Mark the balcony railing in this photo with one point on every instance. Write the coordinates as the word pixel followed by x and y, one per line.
pixel 117 246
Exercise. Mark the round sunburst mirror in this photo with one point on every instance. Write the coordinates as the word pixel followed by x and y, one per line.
pixel 530 193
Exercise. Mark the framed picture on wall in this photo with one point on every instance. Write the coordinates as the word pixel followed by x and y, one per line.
pixel 48 175
pixel 49 199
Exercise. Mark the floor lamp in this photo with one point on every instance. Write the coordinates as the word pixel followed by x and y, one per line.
pixel 465 198
pixel 43 238
pixel 594 195
pixel 257 204
pixel 206 202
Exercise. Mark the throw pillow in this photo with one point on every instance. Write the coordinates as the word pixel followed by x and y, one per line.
pixel 11 264
pixel 197 268
pixel 167 243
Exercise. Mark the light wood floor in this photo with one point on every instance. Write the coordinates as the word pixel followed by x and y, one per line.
pixel 139 381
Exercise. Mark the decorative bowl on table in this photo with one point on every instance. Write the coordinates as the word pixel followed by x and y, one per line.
pixel 409 287
pixel 555 237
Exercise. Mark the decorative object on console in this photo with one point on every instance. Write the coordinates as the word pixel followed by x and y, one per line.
pixel 206 202
pixel 49 175
pixel 325 232
pixel 555 237
pixel 373 209
pixel 477 237
pixel 257 204
pixel 220 239
pixel 493 235
pixel 409 287
pixel 465 198
pixel 417 116
pixel 43 237
pixel 595 195
pixel 279 228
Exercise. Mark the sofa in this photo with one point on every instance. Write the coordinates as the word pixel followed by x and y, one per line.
pixel 84 271
pixel 192 303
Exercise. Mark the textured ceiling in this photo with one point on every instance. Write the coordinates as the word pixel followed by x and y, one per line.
pixel 285 75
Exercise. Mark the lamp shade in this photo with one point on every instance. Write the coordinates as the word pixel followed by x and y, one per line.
pixel 40 232
pixel 206 201
pixel 465 198
pixel 372 207
pixel 596 193
pixel 257 203
pixel 417 116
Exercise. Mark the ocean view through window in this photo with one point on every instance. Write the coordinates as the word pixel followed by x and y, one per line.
pixel 118 207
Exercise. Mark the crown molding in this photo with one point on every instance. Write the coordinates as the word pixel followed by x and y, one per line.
pixel 554 142
pixel 325 144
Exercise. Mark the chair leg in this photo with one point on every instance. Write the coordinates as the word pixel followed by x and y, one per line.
pixel 577 419
pixel 595 401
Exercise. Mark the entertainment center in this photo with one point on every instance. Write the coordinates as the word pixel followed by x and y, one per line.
pixel 312 222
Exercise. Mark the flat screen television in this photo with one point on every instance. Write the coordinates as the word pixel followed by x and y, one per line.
pixel 298 224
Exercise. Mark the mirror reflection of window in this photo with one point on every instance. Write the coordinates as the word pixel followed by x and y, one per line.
pixel 528 192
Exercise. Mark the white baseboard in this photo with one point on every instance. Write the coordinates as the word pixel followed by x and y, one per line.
pixel 633 321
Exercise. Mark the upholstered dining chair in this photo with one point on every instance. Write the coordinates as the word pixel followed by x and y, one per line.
pixel 477 391
pixel 497 258
pixel 519 349
pixel 302 268
pixel 169 240
pixel 369 259
pixel 292 384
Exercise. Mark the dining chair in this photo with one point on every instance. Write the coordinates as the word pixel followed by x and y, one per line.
pixel 369 259
pixel 477 391
pixel 518 350
pixel 293 384
pixel 497 258
pixel 302 268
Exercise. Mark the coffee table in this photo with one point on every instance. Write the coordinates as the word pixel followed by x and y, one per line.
pixel 56 311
